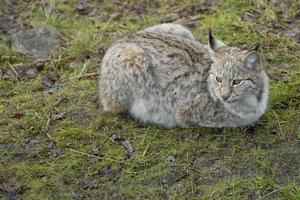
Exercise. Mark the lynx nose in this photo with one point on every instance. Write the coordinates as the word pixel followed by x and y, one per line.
pixel 225 93
pixel 225 97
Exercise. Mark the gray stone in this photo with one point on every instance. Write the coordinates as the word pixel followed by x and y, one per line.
pixel 38 43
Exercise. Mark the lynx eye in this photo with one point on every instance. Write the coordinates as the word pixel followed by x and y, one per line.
pixel 236 82
pixel 218 79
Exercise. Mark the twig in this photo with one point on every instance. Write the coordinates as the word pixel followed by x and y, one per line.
pixel 49 121
pixel 181 177
pixel 103 29
pixel 46 128
pixel 279 125
pixel 270 193
pixel 145 151
pixel 84 67
pixel 14 70
pixel 108 21
pixel 82 75
pixel 91 155
pixel 262 34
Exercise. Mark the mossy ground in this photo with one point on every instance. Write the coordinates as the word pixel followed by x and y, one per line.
pixel 82 161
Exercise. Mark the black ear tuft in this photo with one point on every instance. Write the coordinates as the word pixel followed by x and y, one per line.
pixel 213 43
pixel 210 39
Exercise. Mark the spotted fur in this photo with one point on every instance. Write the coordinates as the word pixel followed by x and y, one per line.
pixel 168 78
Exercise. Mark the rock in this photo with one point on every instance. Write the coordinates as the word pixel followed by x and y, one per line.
pixel 170 159
pixel 38 43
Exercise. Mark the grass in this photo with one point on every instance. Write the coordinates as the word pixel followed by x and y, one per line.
pixel 190 163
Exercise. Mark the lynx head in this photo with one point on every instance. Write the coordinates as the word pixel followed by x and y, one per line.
pixel 236 76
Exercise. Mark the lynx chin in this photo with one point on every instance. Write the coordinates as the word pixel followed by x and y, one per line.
pixel 162 75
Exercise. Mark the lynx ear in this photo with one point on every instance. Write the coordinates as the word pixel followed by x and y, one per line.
pixel 253 60
pixel 213 43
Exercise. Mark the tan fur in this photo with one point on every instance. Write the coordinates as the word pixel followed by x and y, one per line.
pixel 162 75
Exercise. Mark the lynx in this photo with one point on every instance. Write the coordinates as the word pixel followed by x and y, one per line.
pixel 162 75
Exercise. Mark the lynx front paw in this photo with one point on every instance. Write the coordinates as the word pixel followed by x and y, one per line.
pixel 111 105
